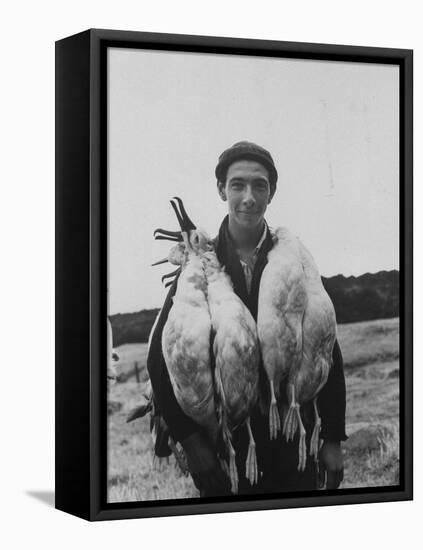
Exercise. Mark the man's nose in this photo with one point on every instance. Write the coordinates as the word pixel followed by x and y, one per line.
pixel 248 198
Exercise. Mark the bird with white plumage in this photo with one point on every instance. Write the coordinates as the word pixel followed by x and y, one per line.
pixel 235 351
pixel 281 307
pixel 319 336
pixel 186 335
pixel 237 356
pixel 297 330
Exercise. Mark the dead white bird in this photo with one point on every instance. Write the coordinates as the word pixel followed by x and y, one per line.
pixel 235 347
pixel 237 355
pixel 186 335
pixel 297 331
pixel 281 307
pixel 319 336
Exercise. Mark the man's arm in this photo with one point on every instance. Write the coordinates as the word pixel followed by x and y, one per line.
pixel 332 403
pixel 332 400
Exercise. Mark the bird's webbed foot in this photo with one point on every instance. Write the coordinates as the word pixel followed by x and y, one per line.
pixel 274 420
pixel 251 470
pixel 293 416
pixel 290 425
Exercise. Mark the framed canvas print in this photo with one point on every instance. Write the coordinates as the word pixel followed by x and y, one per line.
pixel 233 274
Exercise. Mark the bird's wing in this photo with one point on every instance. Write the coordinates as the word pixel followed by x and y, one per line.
pixel 185 343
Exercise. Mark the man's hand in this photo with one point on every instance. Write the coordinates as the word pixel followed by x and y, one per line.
pixel 205 469
pixel 331 465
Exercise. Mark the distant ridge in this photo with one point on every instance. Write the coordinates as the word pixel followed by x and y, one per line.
pixel 369 296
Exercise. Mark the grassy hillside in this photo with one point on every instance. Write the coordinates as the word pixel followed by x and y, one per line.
pixel 129 328
pixel 371 351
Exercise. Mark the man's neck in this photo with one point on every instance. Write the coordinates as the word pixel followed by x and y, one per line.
pixel 245 238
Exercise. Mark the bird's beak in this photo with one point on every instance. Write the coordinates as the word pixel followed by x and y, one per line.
pixel 160 262
pixel 165 235
pixel 185 223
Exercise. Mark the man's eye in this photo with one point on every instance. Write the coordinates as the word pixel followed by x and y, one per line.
pixel 261 187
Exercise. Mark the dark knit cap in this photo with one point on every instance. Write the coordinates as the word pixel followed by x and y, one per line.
pixel 246 150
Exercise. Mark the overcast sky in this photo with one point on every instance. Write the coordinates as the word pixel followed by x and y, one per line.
pixel 332 129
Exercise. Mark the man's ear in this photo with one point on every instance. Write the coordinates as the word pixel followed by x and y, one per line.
pixel 221 190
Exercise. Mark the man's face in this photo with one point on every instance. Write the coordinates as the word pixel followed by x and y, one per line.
pixel 247 191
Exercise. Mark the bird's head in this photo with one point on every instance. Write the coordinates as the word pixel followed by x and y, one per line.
pixel 194 240
pixel 177 255
pixel 189 239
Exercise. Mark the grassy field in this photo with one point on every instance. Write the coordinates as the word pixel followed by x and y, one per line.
pixel 371 356
pixel 371 352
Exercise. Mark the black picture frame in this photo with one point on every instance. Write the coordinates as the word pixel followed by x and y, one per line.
pixel 81 277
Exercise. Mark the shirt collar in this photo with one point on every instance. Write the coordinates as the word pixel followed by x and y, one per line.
pixel 261 241
pixel 259 244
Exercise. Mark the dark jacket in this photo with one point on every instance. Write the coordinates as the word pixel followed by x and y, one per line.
pixel 331 399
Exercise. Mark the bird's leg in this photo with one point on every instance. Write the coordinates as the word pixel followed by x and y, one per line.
pixel 233 472
pixel 302 449
pixel 251 472
pixel 274 419
pixel 290 425
pixel 314 443
pixel 227 439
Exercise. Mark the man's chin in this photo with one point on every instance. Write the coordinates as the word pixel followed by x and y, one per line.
pixel 249 221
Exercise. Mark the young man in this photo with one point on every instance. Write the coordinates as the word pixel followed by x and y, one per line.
pixel 246 180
